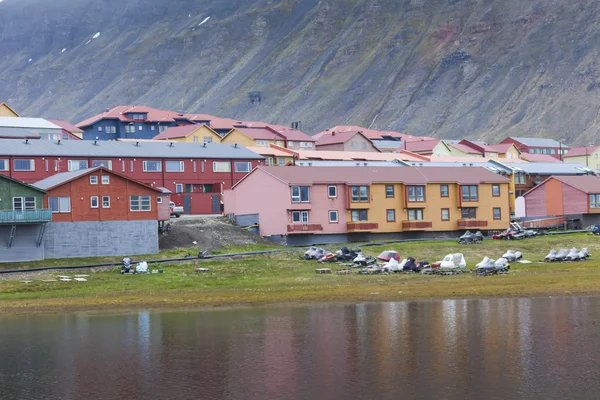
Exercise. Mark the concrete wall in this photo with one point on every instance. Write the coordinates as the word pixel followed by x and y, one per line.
pixel 94 239
pixel 23 246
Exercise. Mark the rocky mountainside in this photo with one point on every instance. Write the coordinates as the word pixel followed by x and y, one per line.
pixel 446 68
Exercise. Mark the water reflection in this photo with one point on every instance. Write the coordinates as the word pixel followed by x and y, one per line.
pixel 452 349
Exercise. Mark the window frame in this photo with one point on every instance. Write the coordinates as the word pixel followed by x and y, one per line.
pixel 31 165
pixel 59 208
pixel 469 198
pixel 180 165
pixel 93 179
pixel 442 191
pixel 146 163
pixel 447 210
pixel 416 213
pixel 462 215
pixel 393 194
pixel 301 215
pixel 92 198
pixel 140 203
pixel 337 217
pixel 329 195
pixel 99 163
pixel 494 187
pixel 222 164
pixel 416 197
pixel 360 196
pixel 179 188
pixel 105 178
pixel 360 213
pixel 499 209
pixel 387 215
pixel 4 164
pixel 247 163
pixel 299 197
pixel 105 199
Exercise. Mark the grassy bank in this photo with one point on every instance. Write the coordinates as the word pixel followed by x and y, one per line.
pixel 284 278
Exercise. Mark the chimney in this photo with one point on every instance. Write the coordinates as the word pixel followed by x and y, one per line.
pixel 333 133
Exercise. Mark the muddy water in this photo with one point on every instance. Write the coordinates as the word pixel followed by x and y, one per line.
pixel 456 349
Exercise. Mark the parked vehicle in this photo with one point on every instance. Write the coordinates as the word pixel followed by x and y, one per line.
pixel 471 238
pixel 313 253
pixel 363 260
pixel 596 229
pixel 388 255
pixel 512 255
pixel 328 257
pixel 449 265
pixel 176 211
pixel 490 266
pixel 126 267
pixel 345 254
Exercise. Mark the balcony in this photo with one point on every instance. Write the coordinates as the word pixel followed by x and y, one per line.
pixel 304 228
pixel 362 226
pixel 414 225
pixel 25 217
pixel 471 223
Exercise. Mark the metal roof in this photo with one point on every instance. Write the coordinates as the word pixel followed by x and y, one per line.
pixel 387 144
pixel 12 132
pixel 61 178
pixel 539 142
pixel 112 149
pixel 551 168
pixel 346 163
pixel 34 123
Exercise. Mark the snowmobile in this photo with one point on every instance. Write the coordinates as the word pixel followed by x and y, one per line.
pixel 512 255
pixel 388 255
pixel 126 267
pixel 490 266
pixel 363 260
pixel 471 238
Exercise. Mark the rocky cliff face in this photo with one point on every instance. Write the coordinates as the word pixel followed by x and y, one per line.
pixel 447 68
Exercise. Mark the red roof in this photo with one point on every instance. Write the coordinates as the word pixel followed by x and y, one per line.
pixel 369 175
pixel 581 151
pixel 585 183
pixel 176 132
pixel 337 137
pixel 464 148
pixel 369 133
pixel 67 126
pixel 539 158
pixel 119 112
pixel 421 146
pixel 294 135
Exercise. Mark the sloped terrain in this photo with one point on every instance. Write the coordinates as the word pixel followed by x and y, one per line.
pixel 447 68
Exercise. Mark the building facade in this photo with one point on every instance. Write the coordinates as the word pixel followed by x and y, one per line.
pixel 345 141
pixel 337 204
pixel 550 147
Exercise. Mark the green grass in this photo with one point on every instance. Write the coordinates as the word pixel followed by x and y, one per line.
pixel 284 278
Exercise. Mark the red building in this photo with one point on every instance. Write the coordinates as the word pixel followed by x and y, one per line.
pixel 196 173
pixel 98 194
pixel 550 147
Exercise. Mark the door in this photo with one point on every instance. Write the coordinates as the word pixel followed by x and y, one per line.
pixel 187 204
pixel 216 205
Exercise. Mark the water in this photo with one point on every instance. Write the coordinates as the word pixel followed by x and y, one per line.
pixel 544 348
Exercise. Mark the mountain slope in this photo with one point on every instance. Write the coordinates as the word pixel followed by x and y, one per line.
pixel 446 68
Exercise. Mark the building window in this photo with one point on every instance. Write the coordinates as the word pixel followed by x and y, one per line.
pixel 94 201
pixel 468 213
pixel 208 139
pixel 496 190
pixel 131 165
pixel 130 128
pixel 415 214
pixel 152 127
pixel 221 166
pixel 76 165
pixel 102 163
pixel 105 201
pixel 445 214
pixel 159 200
pixel 359 194
pixel 281 161
pixel 161 128
pixel 122 165
pixel 99 129
pixel 444 192
pixel 59 204
pixel 300 217
pixel 139 203
pixel 4 165
pixel 391 215
pixel 416 193
pixel 359 215
pixel 389 191
pixel 24 165
pixel 469 193
pixel 242 167
pixel 105 179
pixel 497 213
pixel 179 188
pixel 594 200
pixel 188 188
pixel 151 166
pixel 174 166
pixel 26 203
pixel 331 191
pixel 290 144
pixel 262 143
pixel 300 194
pixel 195 139
pixel 207 188
pixel 278 143
pixel 46 163
pixel 110 129
pixel 333 217
pixel 140 127
pixel 93 179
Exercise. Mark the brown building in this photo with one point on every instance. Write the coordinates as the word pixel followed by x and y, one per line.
pixel 345 141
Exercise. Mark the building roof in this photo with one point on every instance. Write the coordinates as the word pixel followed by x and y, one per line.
pixel 294 135
pixel 270 151
pixel 348 163
pixel 9 107
pixel 129 149
pixel 358 155
pixel 500 148
pixel 177 132
pixel 337 138
pixel 61 178
pixel 426 145
pixel 67 126
pixel 119 113
pixel 470 160
pixel 544 168
pixel 539 158
pixel 8 178
pixel 387 144
pixel 587 183
pixel 538 142
pixel 370 175
pixel 31 123
pixel 465 149
pixel 16 133
pixel 581 151
pixel 369 133
pixel 261 133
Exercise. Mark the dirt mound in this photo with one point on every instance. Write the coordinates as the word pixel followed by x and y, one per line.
pixel 209 233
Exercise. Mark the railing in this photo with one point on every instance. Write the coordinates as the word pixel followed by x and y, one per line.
pixel 471 223
pixel 360 226
pixel 20 217
pixel 304 228
pixel 416 225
